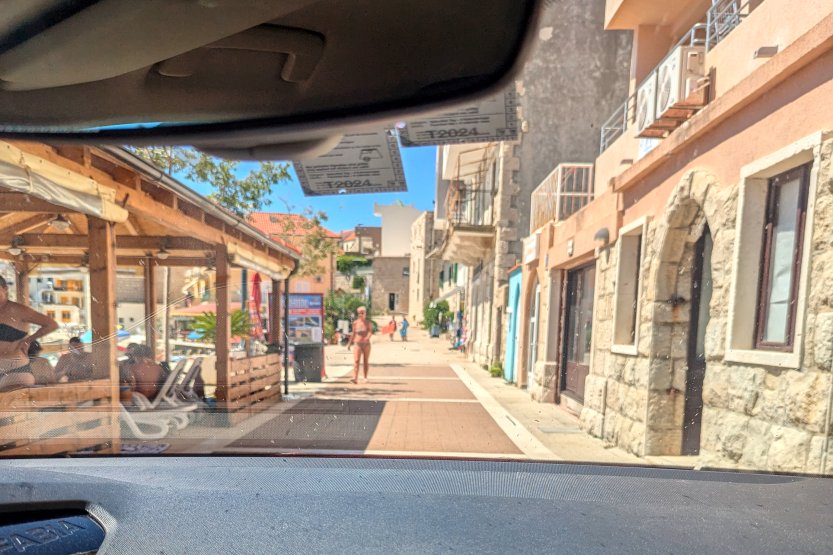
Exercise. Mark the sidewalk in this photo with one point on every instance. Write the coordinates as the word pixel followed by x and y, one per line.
pixel 553 426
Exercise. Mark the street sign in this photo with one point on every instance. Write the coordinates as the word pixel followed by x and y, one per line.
pixel 494 119
pixel 361 163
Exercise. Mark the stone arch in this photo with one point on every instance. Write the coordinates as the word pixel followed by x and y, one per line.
pixel 696 202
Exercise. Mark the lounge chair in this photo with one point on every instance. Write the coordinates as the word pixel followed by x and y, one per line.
pixel 145 426
pixel 185 391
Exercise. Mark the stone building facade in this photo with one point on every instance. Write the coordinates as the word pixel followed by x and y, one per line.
pixel 389 285
pixel 574 75
pixel 706 257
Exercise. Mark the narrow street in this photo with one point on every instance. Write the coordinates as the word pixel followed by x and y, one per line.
pixel 421 399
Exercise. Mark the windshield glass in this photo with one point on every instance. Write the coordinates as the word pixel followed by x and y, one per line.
pixel 621 257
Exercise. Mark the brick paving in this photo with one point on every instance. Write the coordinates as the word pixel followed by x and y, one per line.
pixel 422 399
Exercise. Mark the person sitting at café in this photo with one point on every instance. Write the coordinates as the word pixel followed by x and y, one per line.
pixel 41 368
pixel 146 372
pixel 75 365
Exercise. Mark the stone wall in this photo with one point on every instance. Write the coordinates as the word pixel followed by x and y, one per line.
pixel 388 278
pixel 754 416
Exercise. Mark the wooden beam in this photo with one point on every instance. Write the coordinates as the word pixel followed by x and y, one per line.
pixel 141 203
pixel 21 281
pixel 28 224
pixel 150 303
pixel 222 337
pixel 103 312
pixel 21 202
pixel 133 261
pixel 125 242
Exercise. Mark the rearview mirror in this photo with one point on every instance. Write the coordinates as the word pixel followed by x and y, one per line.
pixel 246 74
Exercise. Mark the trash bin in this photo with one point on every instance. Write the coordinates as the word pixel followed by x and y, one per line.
pixel 309 360
pixel 435 330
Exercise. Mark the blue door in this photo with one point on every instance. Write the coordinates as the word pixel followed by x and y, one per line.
pixel 511 363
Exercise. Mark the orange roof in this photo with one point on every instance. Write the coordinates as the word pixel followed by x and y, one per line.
pixel 348 235
pixel 280 226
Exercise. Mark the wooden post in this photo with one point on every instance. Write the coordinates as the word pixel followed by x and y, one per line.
pixel 103 310
pixel 286 336
pixel 150 303
pixel 222 338
pixel 275 313
pixel 21 282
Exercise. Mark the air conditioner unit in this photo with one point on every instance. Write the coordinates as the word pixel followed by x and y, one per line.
pixel 679 75
pixel 646 100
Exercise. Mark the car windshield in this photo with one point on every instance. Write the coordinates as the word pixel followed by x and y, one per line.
pixel 623 256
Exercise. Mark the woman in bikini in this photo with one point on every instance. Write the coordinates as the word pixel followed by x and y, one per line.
pixel 360 341
pixel 15 319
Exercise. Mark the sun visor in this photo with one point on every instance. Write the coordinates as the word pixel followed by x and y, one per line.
pixel 21 172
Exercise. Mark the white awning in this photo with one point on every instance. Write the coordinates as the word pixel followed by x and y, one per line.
pixel 21 172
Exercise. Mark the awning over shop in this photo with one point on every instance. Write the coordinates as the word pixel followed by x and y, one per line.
pixel 448 294
pixel 22 172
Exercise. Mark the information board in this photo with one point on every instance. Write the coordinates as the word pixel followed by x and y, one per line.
pixel 361 163
pixel 494 119
pixel 306 318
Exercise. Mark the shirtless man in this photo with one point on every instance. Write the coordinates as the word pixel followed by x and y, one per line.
pixel 360 341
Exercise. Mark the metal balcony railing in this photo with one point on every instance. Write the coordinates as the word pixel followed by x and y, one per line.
pixel 562 193
pixel 720 20
pixel 470 206
pixel 618 123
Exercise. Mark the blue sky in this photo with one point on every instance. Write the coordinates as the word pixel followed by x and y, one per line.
pixel 345 211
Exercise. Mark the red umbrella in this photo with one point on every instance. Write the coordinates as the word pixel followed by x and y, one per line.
pixel 256 298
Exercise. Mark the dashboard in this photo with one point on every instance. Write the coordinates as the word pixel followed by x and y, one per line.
pixel 374 505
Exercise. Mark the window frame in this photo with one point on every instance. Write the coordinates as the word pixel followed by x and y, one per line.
pixel 764 283
pixel 637 228
pixel 745 262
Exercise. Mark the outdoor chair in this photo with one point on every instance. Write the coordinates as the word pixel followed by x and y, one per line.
pixel 185 390
pixel 145 426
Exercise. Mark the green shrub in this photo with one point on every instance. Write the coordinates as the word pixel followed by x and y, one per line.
pixel 358 282
pixel 431 313
pixel 496 370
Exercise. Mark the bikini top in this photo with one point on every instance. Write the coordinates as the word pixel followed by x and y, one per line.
pixel 360 328
pixel 10 334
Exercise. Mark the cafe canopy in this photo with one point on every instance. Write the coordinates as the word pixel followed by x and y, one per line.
pixel 103 208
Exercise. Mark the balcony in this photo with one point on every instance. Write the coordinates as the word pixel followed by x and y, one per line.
pixel 470 234
pixel 565 191
pixel 678 86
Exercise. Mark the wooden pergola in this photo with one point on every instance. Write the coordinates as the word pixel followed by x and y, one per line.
pixel 116 209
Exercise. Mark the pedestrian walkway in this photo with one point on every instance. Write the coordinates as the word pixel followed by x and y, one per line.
pixel 421 399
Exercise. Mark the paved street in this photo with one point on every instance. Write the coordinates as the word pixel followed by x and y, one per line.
pixel 421 399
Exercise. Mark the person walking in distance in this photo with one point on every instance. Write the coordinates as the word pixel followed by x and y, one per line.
pixel 403 328
pixel 391 327
pixel 360 342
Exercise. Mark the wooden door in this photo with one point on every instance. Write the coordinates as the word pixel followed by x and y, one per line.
pixel 578 330
pixel 701 294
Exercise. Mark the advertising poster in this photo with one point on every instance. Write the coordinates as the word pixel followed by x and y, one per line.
pixel 306 318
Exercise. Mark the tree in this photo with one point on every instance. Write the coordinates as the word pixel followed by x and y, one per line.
pixel 358 282
pixel 240 195
pixel 433 313
pixel 339 305
pixel 206 325
pixel 347 264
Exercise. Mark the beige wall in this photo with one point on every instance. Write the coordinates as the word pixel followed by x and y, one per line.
pixel 396 228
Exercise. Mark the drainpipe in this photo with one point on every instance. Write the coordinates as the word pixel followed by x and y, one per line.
pixel 827 414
